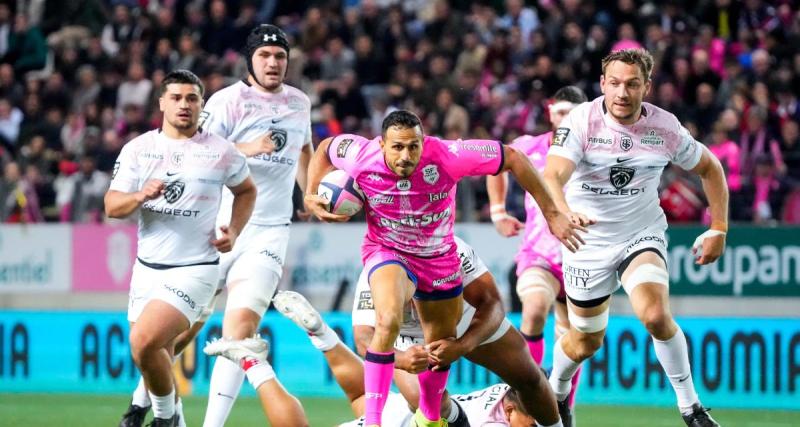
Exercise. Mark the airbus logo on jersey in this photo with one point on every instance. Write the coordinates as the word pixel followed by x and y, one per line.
pixel 404 185
pixel 430 174
pixel 174 191
pixel 599 140
pixel 278 137
pixel 621 176
pixel 625 142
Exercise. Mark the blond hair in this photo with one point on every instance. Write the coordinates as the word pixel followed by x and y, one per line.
pixel 639 57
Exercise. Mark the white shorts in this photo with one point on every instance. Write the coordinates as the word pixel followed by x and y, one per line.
pixel 258 250
pixel 188 289
pixel 403 342
pixel 593 271
pixel 395 414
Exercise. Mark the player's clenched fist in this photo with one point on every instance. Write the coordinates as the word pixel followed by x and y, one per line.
pixel 151 190
pixel 565 230
pixel 413 360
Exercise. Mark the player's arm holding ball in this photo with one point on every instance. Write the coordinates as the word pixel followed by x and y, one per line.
pixel 318 167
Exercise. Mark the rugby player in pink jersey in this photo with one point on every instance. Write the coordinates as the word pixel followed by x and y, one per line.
pixel 610 153
pixel 540 280
pixel 409 181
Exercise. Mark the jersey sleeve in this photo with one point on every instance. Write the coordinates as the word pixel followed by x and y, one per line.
pixel 237 170
pixel 567 139
pixel 344 151
pixel 470 157
pixel 689 151
pixel 216 117
pixel 363 310
pixel 125 176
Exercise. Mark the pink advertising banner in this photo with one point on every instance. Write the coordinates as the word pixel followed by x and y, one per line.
pixel 102 257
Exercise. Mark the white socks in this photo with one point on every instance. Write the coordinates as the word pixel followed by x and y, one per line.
pixel 673 355
pixel 226 380
pixel 563 370
pixel 454 411
pixel 325 339
pixel 140 395
pixel 179 411
pixel 163 406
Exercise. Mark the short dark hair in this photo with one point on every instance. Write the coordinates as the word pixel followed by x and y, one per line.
pixel 402 119
pixel 181 77
pixel 571 94
pixel 638 57
pixel 513 396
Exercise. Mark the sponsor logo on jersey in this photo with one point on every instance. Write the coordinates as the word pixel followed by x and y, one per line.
pixel 206 156
pixel 452 277
pixel 152 207
pixel 652 138
pixel 272 255
pixel 644 239
pixel 151 156
pixel 453 148
pixel 621 176
pixel 490 148
pixel 250 107
pixel 435 197
pixel 575 277
pixel 273 158
pixel 560 136
pixel 174 191
pixel 365 301
pixel 181 294
pixel 606 192
pixel 295 103
pixel 467 266
pixel 416 220
pixel 278 137
pixel 115 170
pixel 430 174
pixel 404 185
pixel 374 177
pixel 344 145
pixel 599 140
pixel 381 199
pixel 625 142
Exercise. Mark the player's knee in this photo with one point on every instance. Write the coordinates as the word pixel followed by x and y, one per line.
pixel 387 324
pixel 657 322
pixel 534 318
pixel 142 345
pixel 588 344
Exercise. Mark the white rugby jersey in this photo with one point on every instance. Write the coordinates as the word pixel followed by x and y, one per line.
pixel 241 113
pixel 618 167
pixel 485 407
pixel 472 267
pixel 176 227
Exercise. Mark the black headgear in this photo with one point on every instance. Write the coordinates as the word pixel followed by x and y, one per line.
pixel 264 35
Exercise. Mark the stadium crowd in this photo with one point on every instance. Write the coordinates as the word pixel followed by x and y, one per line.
pixel 77 82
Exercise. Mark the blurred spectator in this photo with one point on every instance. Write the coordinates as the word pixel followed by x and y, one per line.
pixel 524 18
pixel 757 139
pixel 336 60
pixel 705 111
pixel 87 90
pixel 135 90
pixel 71 23
pixel 5 28
pixel 218 32
pixel 84 190
pixel 18 201
pixel 727 151
pixel 10 120
pixel 790 148
pixel 449 117
pixel 761 200
pixel 9 86
pixel 27 49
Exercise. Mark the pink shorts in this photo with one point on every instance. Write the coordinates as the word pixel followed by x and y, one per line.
pixel 436 278
pixel 526 260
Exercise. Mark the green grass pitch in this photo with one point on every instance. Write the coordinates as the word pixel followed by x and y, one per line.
pixel 66 410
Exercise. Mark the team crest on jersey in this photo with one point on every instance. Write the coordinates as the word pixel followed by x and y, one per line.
pixel 278 137
pixel 560 136
pixel 625 142
pixel 174 191
pixel 621 176
pixel 404 185
pixel 344 145
pixel 430 174
pixel 176 159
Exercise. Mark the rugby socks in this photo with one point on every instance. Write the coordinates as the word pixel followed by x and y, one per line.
pixel 431 387
pixel 673 355
pixel 226 380
pixel 325 339
pixel 378 370
pixel 455 411
pixel 576 379
pixel 179 412
pixel 258 371
pixel 536 347
pixel 163 406
pixel 564 369
pixel 140 396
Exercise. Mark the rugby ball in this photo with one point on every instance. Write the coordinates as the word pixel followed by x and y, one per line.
pixel 342 193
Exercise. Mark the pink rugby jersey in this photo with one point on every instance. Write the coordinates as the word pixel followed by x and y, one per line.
pixel 414 215
pixel 619 167
pixel 537 241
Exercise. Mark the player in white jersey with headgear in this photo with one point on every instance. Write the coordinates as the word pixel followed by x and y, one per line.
pixel 610 153
pixel 174 176
pixel 497 405
pixel 270 122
